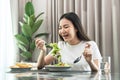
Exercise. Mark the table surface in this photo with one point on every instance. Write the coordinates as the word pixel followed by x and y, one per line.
pixel 55 75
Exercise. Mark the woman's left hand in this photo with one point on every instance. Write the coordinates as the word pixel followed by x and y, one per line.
pixel 88 53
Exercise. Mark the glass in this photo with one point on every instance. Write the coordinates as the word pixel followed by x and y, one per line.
pixel 105 64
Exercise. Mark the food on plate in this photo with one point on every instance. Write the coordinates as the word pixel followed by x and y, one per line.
pixel 61 64
pixel 21 65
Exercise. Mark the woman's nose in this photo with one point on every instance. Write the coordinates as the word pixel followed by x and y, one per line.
pixel 62 30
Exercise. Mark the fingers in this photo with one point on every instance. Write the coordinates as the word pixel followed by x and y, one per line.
pixel 87 54
pixel 39 43
pixel 87 51
pixel 87 45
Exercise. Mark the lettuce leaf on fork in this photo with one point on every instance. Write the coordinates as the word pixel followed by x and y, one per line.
pixel 55 51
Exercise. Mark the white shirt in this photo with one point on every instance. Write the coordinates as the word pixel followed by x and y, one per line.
pixel 70 52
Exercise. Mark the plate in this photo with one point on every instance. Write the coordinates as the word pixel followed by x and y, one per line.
pixel 57 68
pixel 21 69
pixel 21 66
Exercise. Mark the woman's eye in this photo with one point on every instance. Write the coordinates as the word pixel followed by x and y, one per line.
pixel 66 26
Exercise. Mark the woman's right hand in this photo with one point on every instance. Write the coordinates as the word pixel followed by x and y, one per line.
pixel 40 44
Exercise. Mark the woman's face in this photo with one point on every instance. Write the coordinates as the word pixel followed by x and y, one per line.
pixel 67 30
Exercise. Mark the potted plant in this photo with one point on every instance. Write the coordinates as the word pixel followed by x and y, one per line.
pixel 25 39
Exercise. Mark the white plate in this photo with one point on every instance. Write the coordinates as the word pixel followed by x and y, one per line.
pixel 57 68
pixel 21 69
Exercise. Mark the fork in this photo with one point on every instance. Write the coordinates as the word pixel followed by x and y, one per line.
pixel 77 59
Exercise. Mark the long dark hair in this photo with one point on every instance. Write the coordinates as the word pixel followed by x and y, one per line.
pixel 71 16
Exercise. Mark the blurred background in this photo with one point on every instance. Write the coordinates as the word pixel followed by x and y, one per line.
pixel 100 19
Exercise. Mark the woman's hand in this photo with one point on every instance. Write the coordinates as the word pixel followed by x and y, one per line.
pixel 88 56
pixel 40 44
pixel 87 53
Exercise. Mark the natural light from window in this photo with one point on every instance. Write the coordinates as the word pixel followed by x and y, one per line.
pixel 7 51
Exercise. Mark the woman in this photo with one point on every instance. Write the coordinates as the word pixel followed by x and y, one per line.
pixel 74 42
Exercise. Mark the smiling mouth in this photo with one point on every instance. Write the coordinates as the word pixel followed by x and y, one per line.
pixel 65 36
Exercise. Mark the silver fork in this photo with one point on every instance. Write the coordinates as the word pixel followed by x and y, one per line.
pixel 77 59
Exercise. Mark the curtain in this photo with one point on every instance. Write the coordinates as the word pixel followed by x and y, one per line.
pixel 5 32
pixel 7 46
pixel 100 19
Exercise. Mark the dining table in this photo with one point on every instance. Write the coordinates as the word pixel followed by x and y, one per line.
pixel 43 74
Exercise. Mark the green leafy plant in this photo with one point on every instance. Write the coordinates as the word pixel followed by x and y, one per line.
pixel 25 39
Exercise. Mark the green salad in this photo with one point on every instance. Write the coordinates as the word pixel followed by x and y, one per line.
pixel 61 64
pixel 55 51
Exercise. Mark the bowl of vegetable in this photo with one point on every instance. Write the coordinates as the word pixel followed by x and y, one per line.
pixel 58 67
